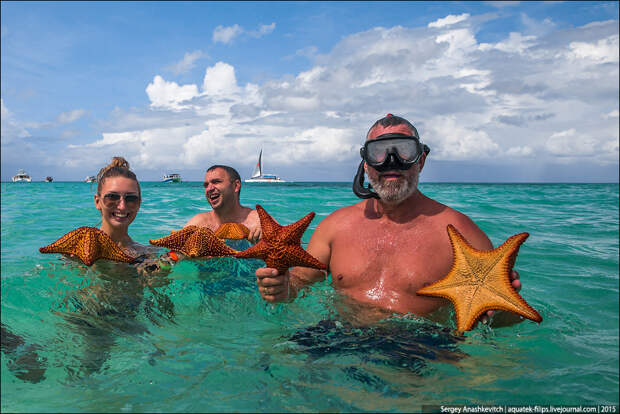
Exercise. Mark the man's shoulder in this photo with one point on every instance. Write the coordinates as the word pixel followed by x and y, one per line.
pixel 347 211
pixel 200 219
pixel 343 217
pixel 466 226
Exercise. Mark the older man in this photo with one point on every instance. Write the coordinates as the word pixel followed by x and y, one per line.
pixel 381 250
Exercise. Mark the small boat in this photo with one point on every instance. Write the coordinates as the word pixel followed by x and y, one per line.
pixel 171 178
pixel 259 177
pixel 90 179
pixel 48 179
pixel 21 177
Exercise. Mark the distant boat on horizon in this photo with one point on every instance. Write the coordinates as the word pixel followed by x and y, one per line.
pixel 259 177
pixel 48 179
pixel 90 179
pixel 21 177
pixel 171 178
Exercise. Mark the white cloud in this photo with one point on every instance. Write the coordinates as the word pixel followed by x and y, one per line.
pixel 519 151
pixel 187 63
pixel 604 50
pixel 521 96
pixel 71 116
pixel 449 20
pixel 569 143
pixel 516 43
pixel 169 95
pixel 220 79
pixel 226 34
pixel 450 139
pixel 263 29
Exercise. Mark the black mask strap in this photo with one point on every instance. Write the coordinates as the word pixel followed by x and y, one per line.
pixel 358 184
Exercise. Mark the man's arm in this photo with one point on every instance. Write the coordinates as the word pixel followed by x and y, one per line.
pixel 253 224
pixel 274 287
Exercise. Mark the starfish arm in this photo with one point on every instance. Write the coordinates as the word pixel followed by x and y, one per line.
pixel 480 280
pixel 258 251
pixel 268 225
pixel 234 231
pixel 176 239
pixel 109 249
pixel 293 232
pixel 297 256
pixel 64 244
pixel 205 243
pixel 89 244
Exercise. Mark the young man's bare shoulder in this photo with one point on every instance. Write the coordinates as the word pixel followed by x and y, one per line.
pixel 200 219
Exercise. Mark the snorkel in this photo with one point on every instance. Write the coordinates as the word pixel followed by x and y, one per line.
pixel 391 151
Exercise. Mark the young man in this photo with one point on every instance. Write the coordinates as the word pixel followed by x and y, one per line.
pixel 380 251
pixel 222 189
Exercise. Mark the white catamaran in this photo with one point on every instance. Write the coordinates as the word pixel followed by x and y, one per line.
pixel 259 177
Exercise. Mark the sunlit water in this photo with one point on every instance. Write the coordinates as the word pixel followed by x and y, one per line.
pixel 207 342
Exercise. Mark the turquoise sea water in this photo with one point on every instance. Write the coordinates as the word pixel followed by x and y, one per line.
pixel 206 341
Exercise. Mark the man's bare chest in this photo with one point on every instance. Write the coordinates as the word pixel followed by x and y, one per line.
pixel 400 258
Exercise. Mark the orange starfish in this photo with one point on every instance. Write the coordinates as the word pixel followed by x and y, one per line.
pixel 195 241
pixel 280 246
pixel 89 244
pixel 480 281
pixel 234 231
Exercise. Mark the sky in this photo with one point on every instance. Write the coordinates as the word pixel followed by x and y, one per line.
pixel 500 91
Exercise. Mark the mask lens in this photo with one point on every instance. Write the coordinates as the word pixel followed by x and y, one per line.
pixel 407 149
pixel 377 151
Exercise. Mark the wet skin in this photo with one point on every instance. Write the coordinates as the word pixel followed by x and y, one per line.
pixel 222 193
pixel 379 253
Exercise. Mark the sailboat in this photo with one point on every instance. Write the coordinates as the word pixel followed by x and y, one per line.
pixel 259 177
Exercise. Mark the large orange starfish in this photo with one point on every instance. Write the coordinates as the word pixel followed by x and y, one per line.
pixel 280 246
pixel 480 281
pixel 233 231
pixel 89 244
pixel 195 241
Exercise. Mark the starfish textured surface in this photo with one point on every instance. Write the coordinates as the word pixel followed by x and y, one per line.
pixel 280 246
pixel 195 241
pixel 234 231
pixel 480 281
pixel 89 244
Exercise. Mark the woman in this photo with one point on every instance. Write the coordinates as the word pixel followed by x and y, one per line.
pixel 114 293
pixel 118 199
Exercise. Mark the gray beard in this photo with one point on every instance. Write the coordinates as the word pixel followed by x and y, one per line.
pixel 396 192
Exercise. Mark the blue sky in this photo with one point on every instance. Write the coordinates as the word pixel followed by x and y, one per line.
pixel 500 91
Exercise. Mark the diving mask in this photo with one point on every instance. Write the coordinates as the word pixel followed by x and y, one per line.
pixel 393 151
pixel 387 152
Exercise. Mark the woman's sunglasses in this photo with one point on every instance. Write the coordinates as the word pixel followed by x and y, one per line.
pixel 112 199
